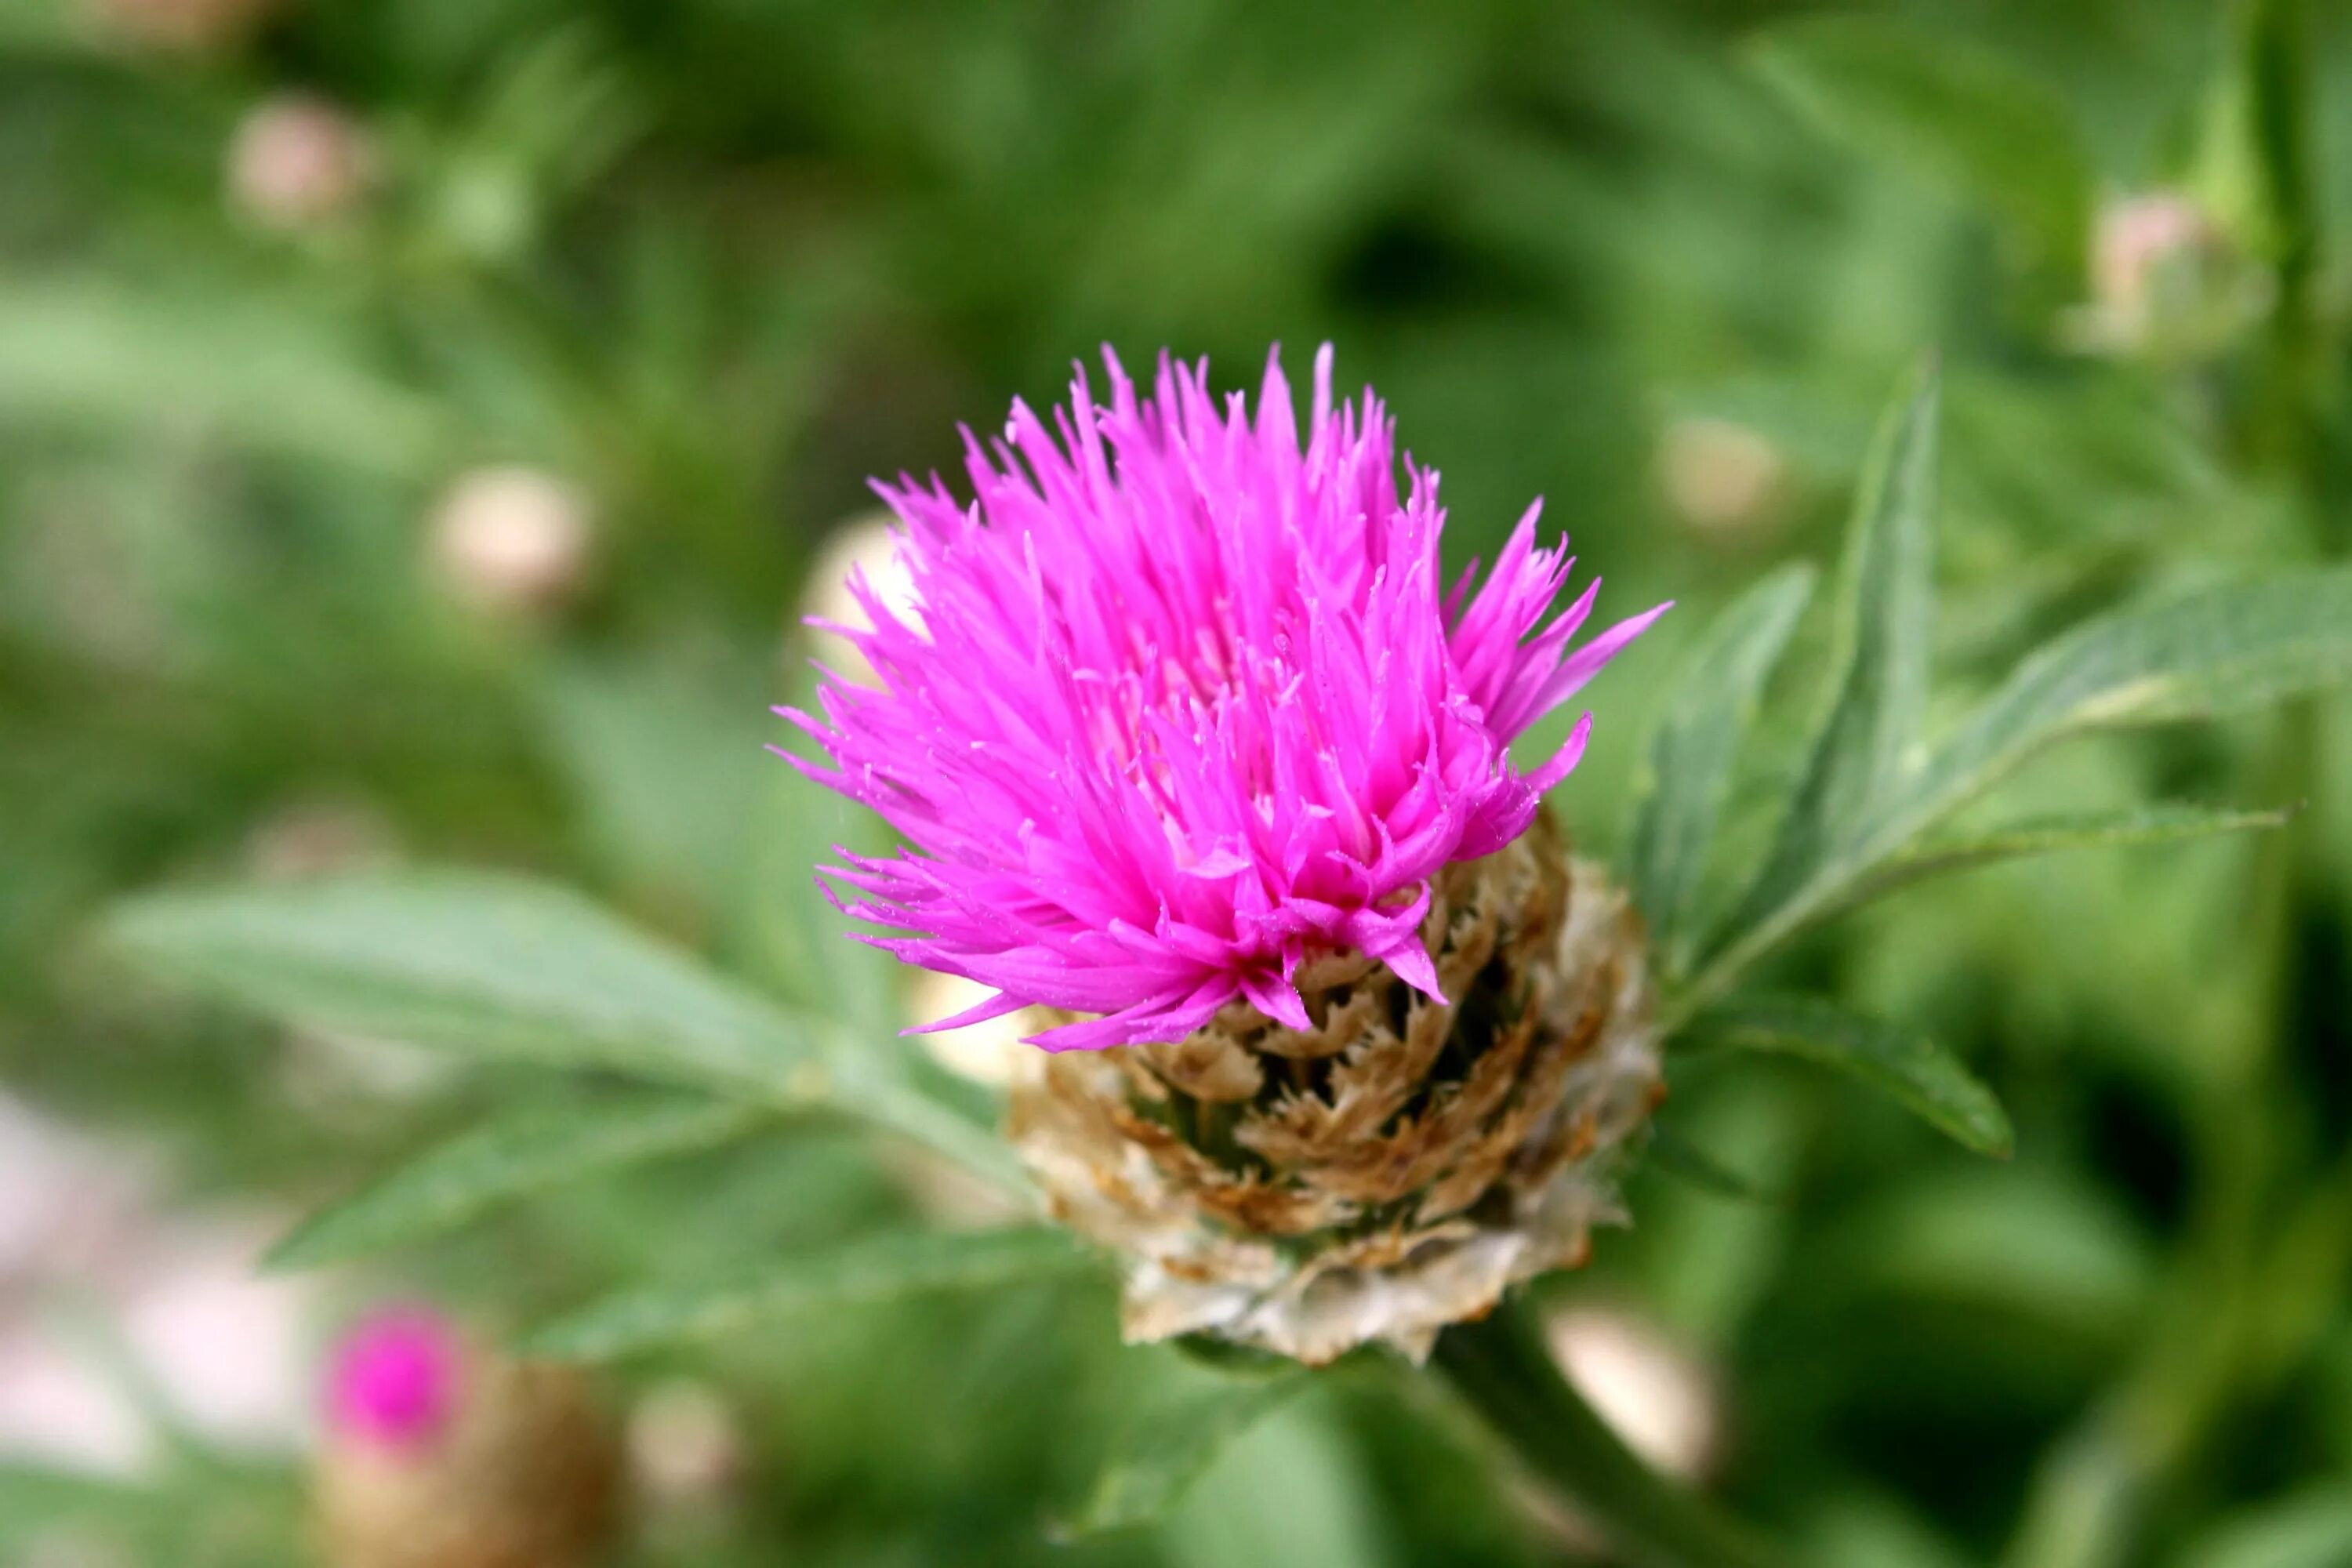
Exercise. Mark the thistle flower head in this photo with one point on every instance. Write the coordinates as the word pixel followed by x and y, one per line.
pixel 1184 703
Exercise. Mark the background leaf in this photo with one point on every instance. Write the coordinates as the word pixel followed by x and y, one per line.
pixel 507 1159
pixel 2161 824
pixel 1947 111
pixel 506 967
pixel 1879 664
pixel 1679 794
pixel 861 1274
pixel 478 961
pixel 1162 1450
pixel 1910 1068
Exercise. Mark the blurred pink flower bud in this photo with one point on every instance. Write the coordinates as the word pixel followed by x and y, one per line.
pixel 511 540
pixel 394 1381
pixel 297 162
pixel 190 25
pixel 440 1454
pixel 2166 281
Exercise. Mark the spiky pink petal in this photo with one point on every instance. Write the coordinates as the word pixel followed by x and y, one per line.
pixel 1185 702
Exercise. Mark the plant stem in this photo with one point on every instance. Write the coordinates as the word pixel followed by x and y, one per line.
pixel 1501 1367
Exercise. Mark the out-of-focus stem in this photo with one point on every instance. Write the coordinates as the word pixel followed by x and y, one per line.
pixel 1502 1368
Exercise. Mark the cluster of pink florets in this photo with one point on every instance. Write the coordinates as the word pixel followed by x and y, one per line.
pixel 1185 702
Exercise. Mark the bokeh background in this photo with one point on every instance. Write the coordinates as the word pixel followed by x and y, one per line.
pixel 423 424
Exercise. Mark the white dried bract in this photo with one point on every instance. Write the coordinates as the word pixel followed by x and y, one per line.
pixel 1393 1170
pixel 529 1475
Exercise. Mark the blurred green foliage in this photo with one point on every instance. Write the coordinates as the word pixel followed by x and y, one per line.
pixel 713 262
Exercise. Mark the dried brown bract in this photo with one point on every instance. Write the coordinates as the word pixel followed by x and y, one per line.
pixel 1394 1168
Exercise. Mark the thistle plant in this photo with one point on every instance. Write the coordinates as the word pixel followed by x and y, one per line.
pixel 1193 749
pixel 1338 1042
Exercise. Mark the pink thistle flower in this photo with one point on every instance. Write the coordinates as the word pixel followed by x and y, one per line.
pixel 1184 702
pixel 394 1380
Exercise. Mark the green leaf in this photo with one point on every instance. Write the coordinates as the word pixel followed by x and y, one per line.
pixel 502 966
pixel 2223 648
pixel 481 961
pixel 1879 666
pixel 860 1274
pixel 510 1159
pixel 2161 824
pixel 1680 795
pixel 1946 111
pixel 2313 1529
pixel 1677 1156
pixel 1915 1071
pixel 1170 1443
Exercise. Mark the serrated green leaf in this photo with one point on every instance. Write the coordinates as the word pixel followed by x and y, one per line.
pixel 482 962
pixel 1166 1446
pixel 1946 111
pixel 2223 648
pixel 500 965
pixel 862 1273
pixel 508 1159
pixel 1680 793
pixel 2160 823
pixel 2226 648
pixel 1879 666
pixel 1912 1070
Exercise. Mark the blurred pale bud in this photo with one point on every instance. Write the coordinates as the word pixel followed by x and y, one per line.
pixel 70 1548
pixel 297 162
pixel 864 543
pixel 511 540
pixel 2166 281
pixel 1721 478
pixel 985 1053
pixel 685 1447
pixel 440 1454
pixel 192 25
pixel 61 1409
pixel 1656 1396
pixel 322 837
pixel 226 1345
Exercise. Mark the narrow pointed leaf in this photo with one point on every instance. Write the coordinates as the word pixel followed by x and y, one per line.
pixel 2224 649
pixel 1879 668
pixel 502 966
pixel 859 1274
pixel 1913 1070
pixel 510 1159
pixel 2227 649
pixel 1680 796
pixel 488 963
pixel 1678 1157
pixel 2161 824
pixel 1945 111
pixel 1169 1444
